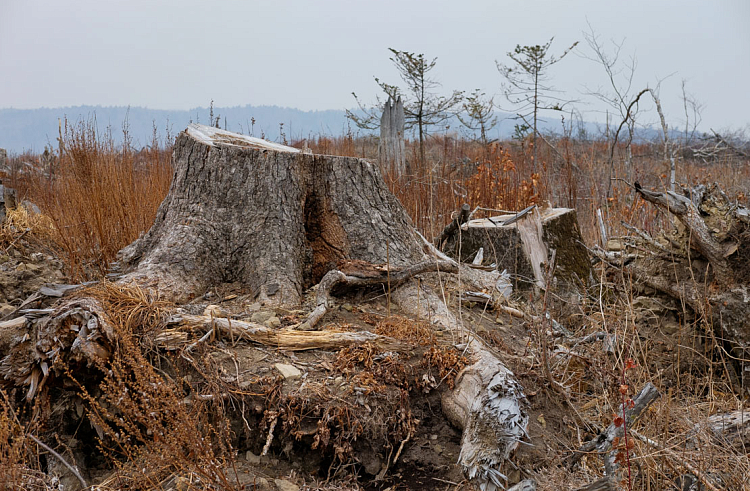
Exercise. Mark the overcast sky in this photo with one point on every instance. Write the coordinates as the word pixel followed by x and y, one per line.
pixel 312 54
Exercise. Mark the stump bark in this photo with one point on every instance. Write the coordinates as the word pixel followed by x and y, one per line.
pixel 267 216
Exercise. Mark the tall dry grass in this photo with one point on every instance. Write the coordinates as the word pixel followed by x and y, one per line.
pixel 572 173
pixel 100 196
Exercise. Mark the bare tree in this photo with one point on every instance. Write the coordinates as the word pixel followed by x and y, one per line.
pixel 619 94
pixel 478 114
pixel 527 83
pixel 423 107
pixel 693 114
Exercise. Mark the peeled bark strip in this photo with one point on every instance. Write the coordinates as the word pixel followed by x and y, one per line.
pixel 267 216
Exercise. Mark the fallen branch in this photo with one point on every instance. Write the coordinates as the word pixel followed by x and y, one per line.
pixel 62 460
pixel 721 139
pixel 603 443
pixel 286 339
pixel 700 236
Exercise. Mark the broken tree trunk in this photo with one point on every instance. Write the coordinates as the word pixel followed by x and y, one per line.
pixel 391 149
pixel 267 216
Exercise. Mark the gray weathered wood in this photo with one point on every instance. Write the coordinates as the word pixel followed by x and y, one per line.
pixel 700 237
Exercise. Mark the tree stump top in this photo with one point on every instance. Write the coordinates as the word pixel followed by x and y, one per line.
pixel 211 136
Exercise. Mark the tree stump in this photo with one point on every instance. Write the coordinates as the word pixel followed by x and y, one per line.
pixel 267 216
pixel 523 243
pixel 276 221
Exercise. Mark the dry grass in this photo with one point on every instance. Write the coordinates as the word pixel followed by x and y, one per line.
pixel 146 427
pixel 99 196
pixel 575 174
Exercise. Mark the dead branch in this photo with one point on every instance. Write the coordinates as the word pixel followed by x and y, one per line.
pixel 286 339
pixel 674 457
pixel 721 139
pixel 603 443
pixel 450 229
pixel 700 237
pixel 62 460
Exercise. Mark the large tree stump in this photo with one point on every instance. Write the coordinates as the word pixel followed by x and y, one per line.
pixel 275 220
pixel 267 216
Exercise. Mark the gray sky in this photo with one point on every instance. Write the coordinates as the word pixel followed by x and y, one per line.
pixel 167 54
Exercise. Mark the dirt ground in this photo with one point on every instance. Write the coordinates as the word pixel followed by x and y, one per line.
pixel 366 418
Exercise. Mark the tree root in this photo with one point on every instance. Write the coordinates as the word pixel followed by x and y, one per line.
pixel 391 279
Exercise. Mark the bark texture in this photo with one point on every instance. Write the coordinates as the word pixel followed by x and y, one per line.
pixel 266 216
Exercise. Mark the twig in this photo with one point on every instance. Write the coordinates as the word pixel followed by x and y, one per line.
pixel 269 439
pixel 202 339
pixel 61 459
pixel 603 442
pixel 401 447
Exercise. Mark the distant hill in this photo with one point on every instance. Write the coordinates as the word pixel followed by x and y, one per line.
pixel 32 129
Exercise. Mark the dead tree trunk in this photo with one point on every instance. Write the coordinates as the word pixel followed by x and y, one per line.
pixel 267 216
pixel 391 150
